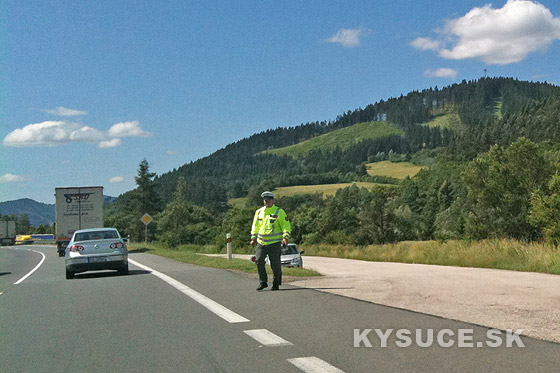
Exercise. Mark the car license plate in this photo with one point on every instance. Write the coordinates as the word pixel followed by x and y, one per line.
pixel 97 259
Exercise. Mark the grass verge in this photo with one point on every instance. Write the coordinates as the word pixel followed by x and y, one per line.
pixel 498 254
pixel 191 254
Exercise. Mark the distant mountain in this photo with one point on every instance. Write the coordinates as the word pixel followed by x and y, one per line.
pixel 39 213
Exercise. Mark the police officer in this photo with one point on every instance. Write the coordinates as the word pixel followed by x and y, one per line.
pixel 270 230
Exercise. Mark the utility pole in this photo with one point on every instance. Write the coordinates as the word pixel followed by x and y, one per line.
pixel 485 70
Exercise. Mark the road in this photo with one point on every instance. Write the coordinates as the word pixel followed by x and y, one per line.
pixel 169 316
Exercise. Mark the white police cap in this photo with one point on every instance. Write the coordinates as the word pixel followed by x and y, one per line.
pixel 267 194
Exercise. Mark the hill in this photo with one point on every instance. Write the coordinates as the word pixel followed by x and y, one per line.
pixel 38 213
pixel 431 119
pixel 491 149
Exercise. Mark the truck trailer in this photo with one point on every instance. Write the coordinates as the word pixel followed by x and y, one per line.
pixel 7 232
pixel 76 208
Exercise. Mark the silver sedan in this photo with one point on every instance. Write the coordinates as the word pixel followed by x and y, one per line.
pixel 96 249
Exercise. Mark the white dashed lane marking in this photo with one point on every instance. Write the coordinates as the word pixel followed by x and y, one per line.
pixel 310 364
pixel 266 338
pixel 313 364
pixel 203 300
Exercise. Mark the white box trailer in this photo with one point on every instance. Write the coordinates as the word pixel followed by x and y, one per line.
pixel 76 208
pixel 7 232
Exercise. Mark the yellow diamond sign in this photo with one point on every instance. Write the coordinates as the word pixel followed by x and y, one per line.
pixel 146 219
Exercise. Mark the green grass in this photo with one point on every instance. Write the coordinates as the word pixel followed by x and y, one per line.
pixel 238 202
pixel 192 254
pixel 499 254
pixel 397 170
pixel 446 117
pixel 498 108
pixel 342 138
pixel 450 121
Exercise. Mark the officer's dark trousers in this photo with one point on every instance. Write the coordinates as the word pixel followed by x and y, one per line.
pixel 273 251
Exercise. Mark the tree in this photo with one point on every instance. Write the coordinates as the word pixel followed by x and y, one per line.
pixel 184 223
pixel 545 211
pixel 500 184
pixel 143 200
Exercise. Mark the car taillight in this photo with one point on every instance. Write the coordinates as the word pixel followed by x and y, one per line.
pixel 76 248
pixel 117 245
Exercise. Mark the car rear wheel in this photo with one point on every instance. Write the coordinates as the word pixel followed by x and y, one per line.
pixel 69 275
pixel 124 270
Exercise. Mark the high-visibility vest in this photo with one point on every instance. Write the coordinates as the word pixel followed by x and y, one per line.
pixel 270 225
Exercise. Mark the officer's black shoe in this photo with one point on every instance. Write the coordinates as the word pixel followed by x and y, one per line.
pixel 275 287
pixel 262 286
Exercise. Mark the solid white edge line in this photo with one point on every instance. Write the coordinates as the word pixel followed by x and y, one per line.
pixel 203 300
pixel 313 364
pixel 266 338
pixel 33 270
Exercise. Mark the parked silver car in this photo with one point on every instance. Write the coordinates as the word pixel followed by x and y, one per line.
pixel 289 257
pixel 96 249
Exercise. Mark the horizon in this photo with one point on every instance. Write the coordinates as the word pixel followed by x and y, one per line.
pixel 91 89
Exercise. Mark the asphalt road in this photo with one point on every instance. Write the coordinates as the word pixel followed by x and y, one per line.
pixel 195 319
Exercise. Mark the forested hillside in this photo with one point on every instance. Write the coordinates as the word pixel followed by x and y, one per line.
pixel 483 180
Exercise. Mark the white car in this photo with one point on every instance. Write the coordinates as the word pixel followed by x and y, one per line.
pixel 289 257
pixel 96 249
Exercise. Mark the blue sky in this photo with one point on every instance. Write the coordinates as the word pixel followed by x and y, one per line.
pixel 90 88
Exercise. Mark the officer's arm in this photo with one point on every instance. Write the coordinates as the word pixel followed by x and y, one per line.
pixel 286 227
pixel 254 228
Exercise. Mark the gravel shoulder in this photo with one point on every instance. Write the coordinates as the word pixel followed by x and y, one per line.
pixel 490 297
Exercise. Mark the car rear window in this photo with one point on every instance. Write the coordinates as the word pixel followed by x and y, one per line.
pixel 289 250
pixel 96 235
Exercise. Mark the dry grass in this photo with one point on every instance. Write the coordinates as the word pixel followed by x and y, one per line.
pixel 500 254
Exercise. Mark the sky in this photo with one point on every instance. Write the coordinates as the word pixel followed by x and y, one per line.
pixel 88 89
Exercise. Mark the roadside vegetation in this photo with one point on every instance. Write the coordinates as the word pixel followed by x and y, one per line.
pixel 498 253
pixel 194 254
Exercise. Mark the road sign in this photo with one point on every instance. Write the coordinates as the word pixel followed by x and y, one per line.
pixel 146 219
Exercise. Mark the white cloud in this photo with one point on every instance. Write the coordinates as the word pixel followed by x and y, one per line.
pixel 116 179
pixel 51 133
pixel 441 73
pixel 425 44
pixel 10 178
pixel 127 129
pixel 65 112
pixel 499 36
pixel 113 143
pixel 348 37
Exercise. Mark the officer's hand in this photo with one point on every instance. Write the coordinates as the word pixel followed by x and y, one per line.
pixel 253 243
pixel 285 241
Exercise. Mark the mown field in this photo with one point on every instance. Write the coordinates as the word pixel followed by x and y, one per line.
pixel 324 189
pixel 397 170
pixel 342 138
